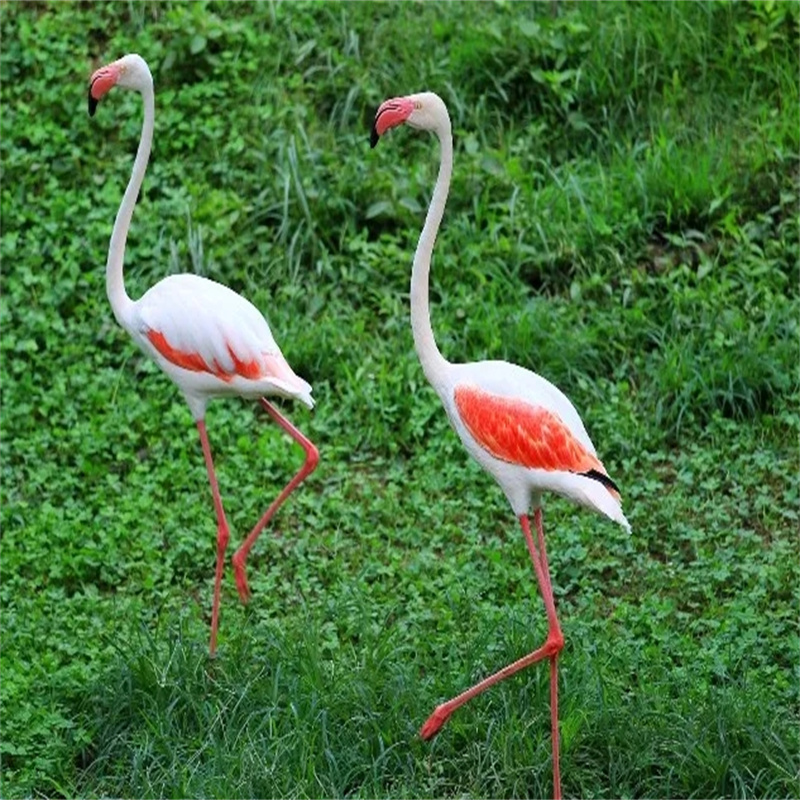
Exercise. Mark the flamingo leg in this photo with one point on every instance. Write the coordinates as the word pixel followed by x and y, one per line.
pixel 223 532
pixel 554 735
pixel 312 458
pixel 550 649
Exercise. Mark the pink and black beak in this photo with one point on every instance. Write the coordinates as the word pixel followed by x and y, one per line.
pixel 102 80
pixel 390 114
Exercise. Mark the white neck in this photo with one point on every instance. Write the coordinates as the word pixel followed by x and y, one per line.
pixel 433 363
pixel 121 304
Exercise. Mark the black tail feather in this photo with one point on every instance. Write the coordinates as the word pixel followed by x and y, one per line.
pixel 601 478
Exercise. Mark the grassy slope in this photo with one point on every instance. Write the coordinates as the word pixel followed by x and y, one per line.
pixel 626 186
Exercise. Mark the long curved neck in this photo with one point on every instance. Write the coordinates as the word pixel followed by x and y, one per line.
pixel 121 304
pixel 433 363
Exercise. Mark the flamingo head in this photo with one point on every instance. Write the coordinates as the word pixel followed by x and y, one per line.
pixel 425 111
pixel 129 72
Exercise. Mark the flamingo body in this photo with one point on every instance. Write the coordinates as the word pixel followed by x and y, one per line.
pixel 211 342
pixel 527 434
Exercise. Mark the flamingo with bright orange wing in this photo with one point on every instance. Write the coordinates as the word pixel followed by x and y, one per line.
pixel 517 425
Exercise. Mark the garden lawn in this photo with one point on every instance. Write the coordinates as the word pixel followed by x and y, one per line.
pixel 623 220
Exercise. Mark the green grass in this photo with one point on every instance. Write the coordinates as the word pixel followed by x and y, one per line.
pixel 623 220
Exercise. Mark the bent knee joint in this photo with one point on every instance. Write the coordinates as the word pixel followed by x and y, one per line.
pixel 312 458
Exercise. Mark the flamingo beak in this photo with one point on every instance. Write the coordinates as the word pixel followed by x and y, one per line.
pixel 92 103
pixel 102 80
pixel 390 114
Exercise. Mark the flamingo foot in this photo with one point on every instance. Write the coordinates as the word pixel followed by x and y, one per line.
pixel 241 578
pixel 435 722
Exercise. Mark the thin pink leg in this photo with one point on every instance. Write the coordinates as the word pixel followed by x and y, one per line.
pixel 312 459
pixel 550 649
pixel 223 533
pixel 554 737
pixel 554 734
pixel 537 519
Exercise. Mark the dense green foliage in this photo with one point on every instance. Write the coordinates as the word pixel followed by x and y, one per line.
pixel 623 220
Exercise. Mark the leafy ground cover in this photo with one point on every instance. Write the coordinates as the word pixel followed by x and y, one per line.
pixel 623 219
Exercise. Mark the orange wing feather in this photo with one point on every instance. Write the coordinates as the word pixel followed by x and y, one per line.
pixel 196 363
pixel 522 433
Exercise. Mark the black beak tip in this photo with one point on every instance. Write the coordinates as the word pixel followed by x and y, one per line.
pixel 92 103
pixel 374 136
